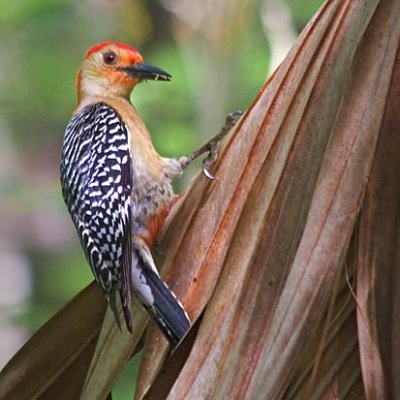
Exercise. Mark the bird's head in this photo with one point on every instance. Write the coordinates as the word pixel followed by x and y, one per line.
pixel 113 69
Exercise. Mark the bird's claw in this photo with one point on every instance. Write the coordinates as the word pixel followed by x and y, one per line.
pixel 212 145
pixel 232 118
pixel 208 174
pixel 210 159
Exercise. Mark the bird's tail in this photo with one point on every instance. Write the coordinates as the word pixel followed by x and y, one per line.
pixel 157 297
pixel 165 308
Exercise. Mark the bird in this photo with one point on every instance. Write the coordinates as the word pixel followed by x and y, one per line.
pixel 117 188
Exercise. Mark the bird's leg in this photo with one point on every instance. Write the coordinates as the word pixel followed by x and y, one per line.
pixel 211 146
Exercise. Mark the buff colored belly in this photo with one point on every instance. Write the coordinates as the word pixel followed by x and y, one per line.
pixel 150 205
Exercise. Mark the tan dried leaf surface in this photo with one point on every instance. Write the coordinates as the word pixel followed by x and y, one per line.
pixel 62 346
pixel 330 368
pixel 114 348
pixel 378 284
pixel 273 233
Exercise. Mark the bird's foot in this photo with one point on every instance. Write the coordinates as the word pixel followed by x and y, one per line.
pixel 212 145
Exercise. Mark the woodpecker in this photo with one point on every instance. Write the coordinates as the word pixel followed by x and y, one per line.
pixel 116 186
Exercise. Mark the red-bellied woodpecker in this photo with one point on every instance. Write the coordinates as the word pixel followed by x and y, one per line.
pixel 118 188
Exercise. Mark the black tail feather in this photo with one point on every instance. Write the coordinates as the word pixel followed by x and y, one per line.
pixel 166 309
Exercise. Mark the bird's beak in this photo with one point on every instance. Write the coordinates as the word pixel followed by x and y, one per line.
pixel 146 71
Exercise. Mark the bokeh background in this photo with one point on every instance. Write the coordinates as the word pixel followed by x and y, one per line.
pixel 219 53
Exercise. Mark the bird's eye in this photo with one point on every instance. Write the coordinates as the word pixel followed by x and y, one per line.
pixel 109 57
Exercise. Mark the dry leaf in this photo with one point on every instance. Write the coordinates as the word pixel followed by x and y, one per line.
pixel 280 219
pixel 59 347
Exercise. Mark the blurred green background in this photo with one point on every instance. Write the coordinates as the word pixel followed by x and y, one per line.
pixel 219 53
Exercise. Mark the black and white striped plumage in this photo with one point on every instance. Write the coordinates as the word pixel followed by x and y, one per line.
pixel 97 184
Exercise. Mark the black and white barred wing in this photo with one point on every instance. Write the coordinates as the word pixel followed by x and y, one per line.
pixel 96 178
